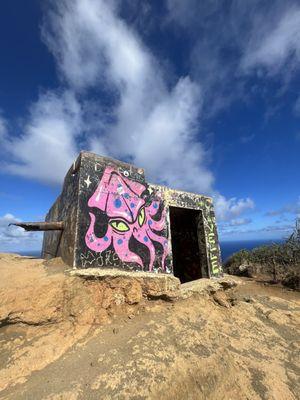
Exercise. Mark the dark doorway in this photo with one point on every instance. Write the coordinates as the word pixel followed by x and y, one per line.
pixel 187 256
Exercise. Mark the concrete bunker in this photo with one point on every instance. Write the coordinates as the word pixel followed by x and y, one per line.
pixel 109 216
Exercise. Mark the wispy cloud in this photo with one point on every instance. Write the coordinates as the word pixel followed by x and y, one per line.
pixel 269 232
pixel 235 40
pixel 3 127
pixel 274 46
pixel 292 208
pixel 237 222
pixel 115 99
pixel 234 225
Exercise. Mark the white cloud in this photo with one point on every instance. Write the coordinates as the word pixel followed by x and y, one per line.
pixel 230 209
pixel 7 219
pixel 272 48
pixel 239 222
pixel 154 125
pixel 11 236
pixel 47 146
pixel 91 43
pixel 147 122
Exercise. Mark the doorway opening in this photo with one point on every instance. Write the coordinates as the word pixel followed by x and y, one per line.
pixel 188 245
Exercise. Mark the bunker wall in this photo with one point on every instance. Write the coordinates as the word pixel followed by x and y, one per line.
pixel 65 208
pixel 121 224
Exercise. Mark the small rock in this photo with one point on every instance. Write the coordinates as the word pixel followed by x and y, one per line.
pixel 233 301
pixel 288 314
pixel 228 284
pixel 221 299
pixel 115 331
pixel 243 267
pixel 130 316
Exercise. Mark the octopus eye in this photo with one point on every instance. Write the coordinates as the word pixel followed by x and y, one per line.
pixel 141 216
pixel 119 225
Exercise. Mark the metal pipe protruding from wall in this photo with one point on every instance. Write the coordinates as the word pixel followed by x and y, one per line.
pixel 41 226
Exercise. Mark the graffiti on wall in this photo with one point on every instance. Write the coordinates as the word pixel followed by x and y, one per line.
pixel 211 237
pixel 128 220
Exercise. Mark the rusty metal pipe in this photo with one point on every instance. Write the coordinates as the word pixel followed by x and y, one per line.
pixel 41 226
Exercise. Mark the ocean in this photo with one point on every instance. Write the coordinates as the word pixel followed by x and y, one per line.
pixel 227 248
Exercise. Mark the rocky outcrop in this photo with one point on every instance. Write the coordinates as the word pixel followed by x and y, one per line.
pixel 287 275
pixel 47 292
pixel 96 335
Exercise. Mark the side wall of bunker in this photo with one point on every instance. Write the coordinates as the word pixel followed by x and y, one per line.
pixel 62 243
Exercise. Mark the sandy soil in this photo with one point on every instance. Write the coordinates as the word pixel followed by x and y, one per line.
pixel 59 340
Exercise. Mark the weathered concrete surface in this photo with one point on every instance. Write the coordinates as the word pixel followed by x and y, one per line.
pixel 65 337
pixel 151 285
pixel 210 286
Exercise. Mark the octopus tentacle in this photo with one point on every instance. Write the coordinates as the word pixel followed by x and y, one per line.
pixel 95 243
pixel 142 237
pixel 163 241
pixel 156 225
pixel 121 247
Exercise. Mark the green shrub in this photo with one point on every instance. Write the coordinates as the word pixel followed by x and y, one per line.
pixel 275 259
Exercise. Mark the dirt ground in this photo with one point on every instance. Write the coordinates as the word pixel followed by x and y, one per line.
pixel 56 344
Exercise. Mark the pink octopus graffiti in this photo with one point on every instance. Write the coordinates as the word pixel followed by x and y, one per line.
pixel 128 216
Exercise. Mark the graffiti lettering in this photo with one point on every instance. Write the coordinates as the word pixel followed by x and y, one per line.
pixel 107 258
pixel 212 243
pixel 215 266
pixel 89 260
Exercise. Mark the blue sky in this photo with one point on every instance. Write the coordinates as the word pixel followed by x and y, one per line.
pixel 215 83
